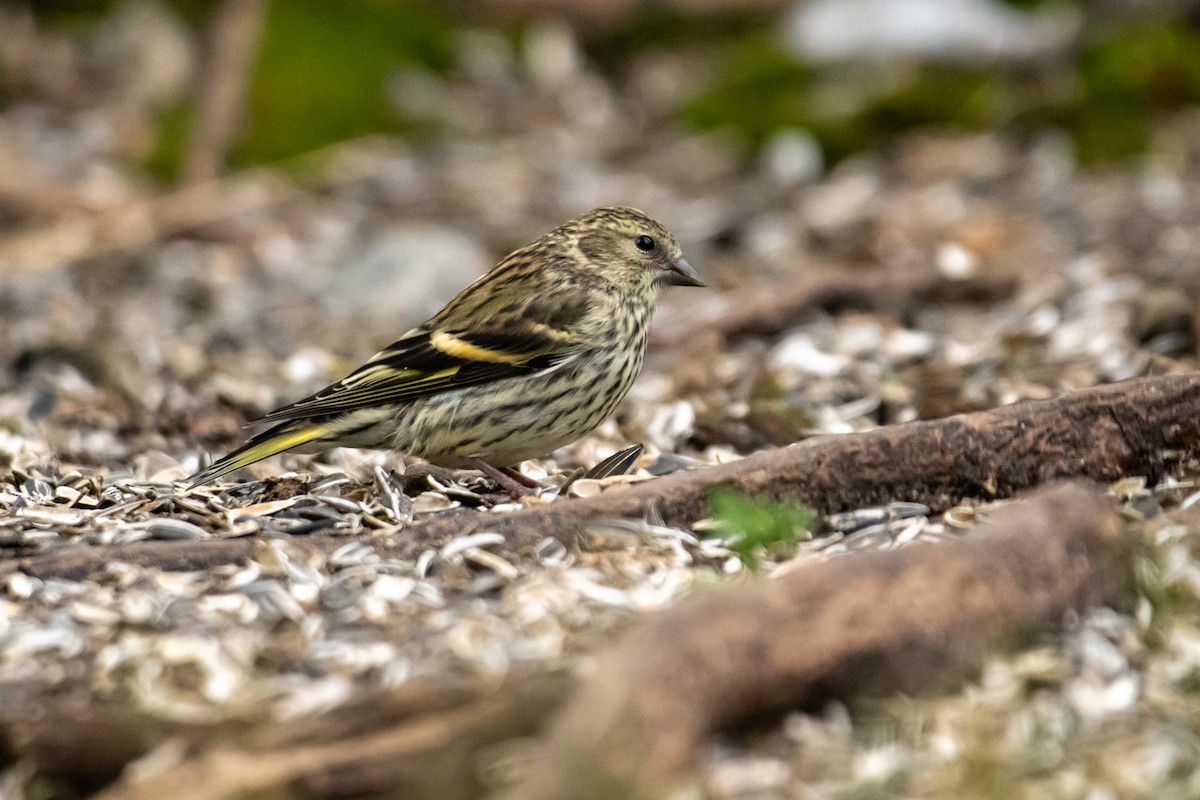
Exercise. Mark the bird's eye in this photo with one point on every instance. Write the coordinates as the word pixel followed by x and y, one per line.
pixel 644 243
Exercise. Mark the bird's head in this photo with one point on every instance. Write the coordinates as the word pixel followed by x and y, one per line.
pixel 630 249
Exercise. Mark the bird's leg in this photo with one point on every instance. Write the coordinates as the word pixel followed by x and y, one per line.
pixel 511 481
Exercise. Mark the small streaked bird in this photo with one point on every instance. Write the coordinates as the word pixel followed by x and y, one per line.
pixel 530 357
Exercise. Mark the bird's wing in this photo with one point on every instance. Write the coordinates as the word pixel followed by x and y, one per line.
pixel 438 357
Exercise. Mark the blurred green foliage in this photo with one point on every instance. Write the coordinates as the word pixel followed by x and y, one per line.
pixel 1127 79
pixel 751 526
pixel 65 13
pixel 174 123
pixel 654 27
pixel 322 75
pixel 763 89
pixel 760 89
pixel 1107 94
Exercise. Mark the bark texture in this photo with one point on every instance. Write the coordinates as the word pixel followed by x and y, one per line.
pixel 915 620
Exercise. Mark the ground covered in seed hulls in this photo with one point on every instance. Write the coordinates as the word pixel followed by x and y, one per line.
pixel 134 347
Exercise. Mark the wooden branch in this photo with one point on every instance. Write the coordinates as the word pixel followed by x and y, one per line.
pixel 78 561
pixel 233 42
pixel 1136 427
pixel 771 309
pixel 129 227
pixel 914 620
pixel 30 192
pixel 102 229
pixel 97 229
pixel 75 739
pixel 385 744
pixel 423 736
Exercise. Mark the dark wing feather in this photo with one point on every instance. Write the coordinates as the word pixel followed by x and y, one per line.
pixel 426 362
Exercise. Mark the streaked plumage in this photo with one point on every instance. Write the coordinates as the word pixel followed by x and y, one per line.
pixel 529 357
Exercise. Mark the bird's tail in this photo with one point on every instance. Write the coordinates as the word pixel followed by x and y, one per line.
pixel 286 436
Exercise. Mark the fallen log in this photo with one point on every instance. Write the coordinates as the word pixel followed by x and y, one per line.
pixel 419 740
pixel 1136 427
pixel 78 561
pixel 914 620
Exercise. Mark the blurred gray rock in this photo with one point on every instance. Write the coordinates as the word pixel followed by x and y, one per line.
pixel 404 273
pixel 792 156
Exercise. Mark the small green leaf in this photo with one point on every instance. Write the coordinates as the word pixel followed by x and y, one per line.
pixel 754 525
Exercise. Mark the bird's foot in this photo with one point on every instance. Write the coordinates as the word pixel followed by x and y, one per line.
pixel 416 477
pixel 508 479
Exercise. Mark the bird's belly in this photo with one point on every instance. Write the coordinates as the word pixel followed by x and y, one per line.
pixel 509 421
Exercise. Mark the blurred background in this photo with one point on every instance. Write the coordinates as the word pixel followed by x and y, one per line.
pixel 207 208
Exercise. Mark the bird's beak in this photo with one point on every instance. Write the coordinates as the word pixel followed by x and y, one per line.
pixel 681 273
